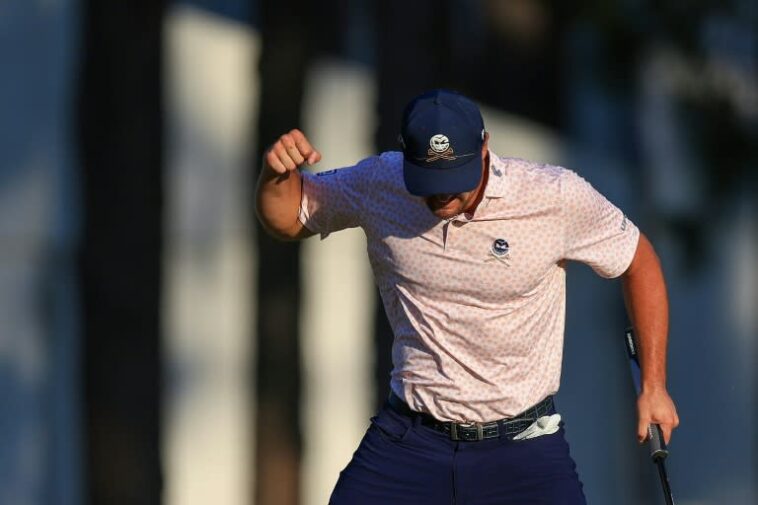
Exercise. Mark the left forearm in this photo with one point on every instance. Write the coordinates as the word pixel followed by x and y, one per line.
pixel 647 305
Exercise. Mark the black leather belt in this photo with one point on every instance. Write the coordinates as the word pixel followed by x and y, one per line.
pixel 470 432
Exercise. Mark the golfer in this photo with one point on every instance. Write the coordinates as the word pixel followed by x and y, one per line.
pixel 468 250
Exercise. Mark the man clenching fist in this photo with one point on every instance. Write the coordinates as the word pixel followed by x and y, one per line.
pixel 280 185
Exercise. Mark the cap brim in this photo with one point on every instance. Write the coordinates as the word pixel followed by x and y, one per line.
pixel 427 181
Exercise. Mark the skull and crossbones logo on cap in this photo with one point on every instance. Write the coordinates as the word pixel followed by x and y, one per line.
pixel 439 148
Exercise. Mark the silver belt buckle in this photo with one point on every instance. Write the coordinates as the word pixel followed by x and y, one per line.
pixel 454 430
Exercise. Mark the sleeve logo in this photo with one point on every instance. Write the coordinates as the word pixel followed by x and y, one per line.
pixel 327 172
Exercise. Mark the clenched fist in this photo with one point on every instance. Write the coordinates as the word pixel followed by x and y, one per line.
pixel 289 152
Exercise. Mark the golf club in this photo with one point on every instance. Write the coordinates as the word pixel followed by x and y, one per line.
pixel 658 449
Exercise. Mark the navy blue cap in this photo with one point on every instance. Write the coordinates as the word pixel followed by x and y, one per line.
pixel 441 135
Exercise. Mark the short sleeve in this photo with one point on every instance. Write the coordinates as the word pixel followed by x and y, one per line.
pixel 596 231
pixel 333 200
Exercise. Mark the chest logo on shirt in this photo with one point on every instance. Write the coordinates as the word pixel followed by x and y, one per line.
pixel 500 247
pixel 499 251
pixel 439 148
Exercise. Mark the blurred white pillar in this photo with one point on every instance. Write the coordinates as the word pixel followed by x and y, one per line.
pixel 210 97
pixel 338 298
pixel 516 137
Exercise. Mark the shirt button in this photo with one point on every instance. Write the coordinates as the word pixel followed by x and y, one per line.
pixel 457 224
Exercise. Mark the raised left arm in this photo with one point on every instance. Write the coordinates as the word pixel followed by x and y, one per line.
pixel 647 305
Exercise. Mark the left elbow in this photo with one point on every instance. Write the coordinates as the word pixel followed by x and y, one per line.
pixel 644 257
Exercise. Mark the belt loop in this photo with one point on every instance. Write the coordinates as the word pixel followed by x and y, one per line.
pixel 453 431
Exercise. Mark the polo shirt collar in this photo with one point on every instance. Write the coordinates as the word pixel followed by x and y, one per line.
pixel 496 183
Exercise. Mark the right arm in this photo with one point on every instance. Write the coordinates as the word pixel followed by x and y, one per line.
pixel 280 184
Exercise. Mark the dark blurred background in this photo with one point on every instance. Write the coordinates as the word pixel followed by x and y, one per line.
pixel 156 347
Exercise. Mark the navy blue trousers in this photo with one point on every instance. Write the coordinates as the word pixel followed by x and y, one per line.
pixel 399 461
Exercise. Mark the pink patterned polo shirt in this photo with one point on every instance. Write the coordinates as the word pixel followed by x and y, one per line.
pixel 477 302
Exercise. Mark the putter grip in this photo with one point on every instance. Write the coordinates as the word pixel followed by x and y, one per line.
pixel 658 450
